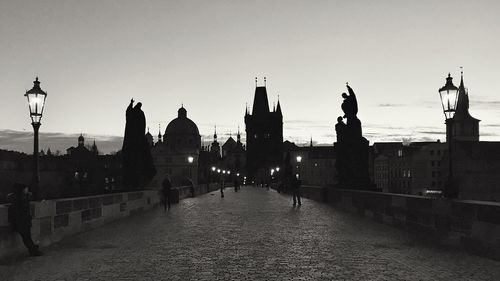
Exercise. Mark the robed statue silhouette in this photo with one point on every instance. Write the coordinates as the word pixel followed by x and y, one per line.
pixel 138 168
pixel 351 147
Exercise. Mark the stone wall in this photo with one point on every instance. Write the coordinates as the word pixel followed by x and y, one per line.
pixel 55 219
pixel 473 225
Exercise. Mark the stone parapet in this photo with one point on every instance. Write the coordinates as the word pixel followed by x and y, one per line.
pixel 55 219
pixel 473 225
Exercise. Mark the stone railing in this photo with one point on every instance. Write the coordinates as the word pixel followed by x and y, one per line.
pixel 473 225
pixel 55 219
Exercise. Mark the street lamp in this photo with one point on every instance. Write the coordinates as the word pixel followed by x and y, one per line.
pixel 449 98
pixel 36 101
pixel 299 159
pixel 213 168
pixel 190 159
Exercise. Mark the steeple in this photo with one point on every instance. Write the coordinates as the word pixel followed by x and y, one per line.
pixel 462 111
pixel 215 133
pixel 465 127
pixel 311 143
pixel 278 107
pixel 94 149
pixel 81 140
pixel 238 136
pixel 159 132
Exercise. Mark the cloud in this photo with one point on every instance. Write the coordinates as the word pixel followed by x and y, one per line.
pixel 392 105
pixel 23 141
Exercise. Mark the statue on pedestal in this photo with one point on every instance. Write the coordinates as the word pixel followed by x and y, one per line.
pixel 351 147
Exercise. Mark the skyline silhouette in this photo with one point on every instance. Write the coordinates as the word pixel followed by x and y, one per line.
pixel 166 54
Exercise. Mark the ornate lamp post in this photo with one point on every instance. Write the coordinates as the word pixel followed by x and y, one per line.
pixel 36 101
pixel 449 97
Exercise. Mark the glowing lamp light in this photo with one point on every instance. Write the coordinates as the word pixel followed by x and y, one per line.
pixel 228 172
pixel 218 171
pixel 36 101
pixel 299 159
pixel 213 168
pixel 237 174
pixel 190 159
pixel 277 169
pixel 449 97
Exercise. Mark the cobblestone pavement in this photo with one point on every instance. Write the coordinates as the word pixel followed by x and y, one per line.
pixel 254 234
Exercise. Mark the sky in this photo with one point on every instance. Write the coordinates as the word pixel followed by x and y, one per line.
pixel 92 57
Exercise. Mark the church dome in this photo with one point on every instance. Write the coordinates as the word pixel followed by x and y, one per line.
pixel 181 126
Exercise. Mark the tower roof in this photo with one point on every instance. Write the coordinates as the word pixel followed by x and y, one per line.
pixel 260 101
pixel 462 111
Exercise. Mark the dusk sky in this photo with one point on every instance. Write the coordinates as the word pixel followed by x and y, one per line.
pixel 92 57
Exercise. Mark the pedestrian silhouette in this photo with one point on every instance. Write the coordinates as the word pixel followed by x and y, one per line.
pixel 20 217
pixel 167 193
pixel 296 191
pixel 236 185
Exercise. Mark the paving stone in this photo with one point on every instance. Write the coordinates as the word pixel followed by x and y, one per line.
pixel 253 234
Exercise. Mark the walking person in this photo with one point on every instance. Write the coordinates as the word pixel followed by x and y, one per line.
pixel 296 191
pixel 167 193
pixel 20 217
pixel 236 185
pixel 222 187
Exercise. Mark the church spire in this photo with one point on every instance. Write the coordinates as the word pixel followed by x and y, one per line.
pixel 159 132
pixel 278 106
pixel 215 133
pixel 238 136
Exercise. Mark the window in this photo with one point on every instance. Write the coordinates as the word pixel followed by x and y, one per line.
pixel 432 152
pixel 439 152
pixel 433 174
pixel 400 153
pixel 432 163
pixel 409 173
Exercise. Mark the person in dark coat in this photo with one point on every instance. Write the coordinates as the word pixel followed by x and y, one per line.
pixel 20 217
pixel 296 191
pixel 167 193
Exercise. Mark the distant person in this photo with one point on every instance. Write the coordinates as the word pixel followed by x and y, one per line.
pixel 191 187
pixel 236 185
pixel 296 191
pixel 20 217
pixel 167 193
pixel 222 187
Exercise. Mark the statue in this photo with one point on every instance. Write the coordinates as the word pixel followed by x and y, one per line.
pixel 138 168
pixel 351 147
